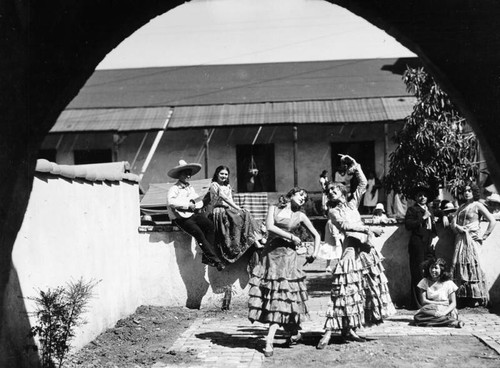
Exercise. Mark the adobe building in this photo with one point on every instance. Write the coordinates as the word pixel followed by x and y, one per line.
pixel 289 120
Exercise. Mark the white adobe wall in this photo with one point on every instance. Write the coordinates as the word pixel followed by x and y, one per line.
pixel 78 229
pixel 74 229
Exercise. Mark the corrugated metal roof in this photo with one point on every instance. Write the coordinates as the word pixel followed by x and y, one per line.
pixel 301 112
pixel 131 119
pixel 399 107
pixel 298 112
pixel 244 83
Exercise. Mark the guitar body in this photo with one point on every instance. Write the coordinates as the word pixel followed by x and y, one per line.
pixel 198 202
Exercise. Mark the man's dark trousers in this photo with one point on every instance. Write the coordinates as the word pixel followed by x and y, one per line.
pixel 202 229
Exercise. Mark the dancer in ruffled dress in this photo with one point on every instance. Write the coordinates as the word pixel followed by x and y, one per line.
pixel 278 293
pixel 466 269
pixel 359 292
pixel 235 229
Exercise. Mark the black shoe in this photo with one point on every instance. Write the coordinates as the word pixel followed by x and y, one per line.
pixel 206 261
pixel 220 266
pixel 294 339
pixel 210 263
pixel 351 336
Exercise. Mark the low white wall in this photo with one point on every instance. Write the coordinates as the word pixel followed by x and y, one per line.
pixel 175 275
pixel 77 229
pixel 393 244
pixel 178 278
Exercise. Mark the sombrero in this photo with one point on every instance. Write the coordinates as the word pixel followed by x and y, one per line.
pixel 183 165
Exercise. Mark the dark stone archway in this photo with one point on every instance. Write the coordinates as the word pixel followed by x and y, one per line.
pixel 50 48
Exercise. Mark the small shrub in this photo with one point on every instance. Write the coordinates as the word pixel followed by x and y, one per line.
pixel 58 312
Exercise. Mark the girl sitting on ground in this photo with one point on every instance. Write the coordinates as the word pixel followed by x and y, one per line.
pixel 437 297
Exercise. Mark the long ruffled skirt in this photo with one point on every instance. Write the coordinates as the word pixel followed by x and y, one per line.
pixel 359 294
pixel 466 270
pixel 235 232
pixel 278 293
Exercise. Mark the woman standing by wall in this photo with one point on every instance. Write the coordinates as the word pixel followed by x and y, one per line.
pixel 466 269
pixel 278 293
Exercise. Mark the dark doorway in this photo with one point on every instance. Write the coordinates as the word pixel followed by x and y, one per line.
pixel 363 152
pixel 48 154
pixel 261 158
pixel 92 156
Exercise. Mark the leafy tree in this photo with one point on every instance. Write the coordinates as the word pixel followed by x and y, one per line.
pixel 435 145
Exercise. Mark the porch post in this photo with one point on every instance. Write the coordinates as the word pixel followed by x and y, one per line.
pixel 118 139
pixel 138 151
pixel 295 150
pixel 207 139
pixel 152 150
pixel 386 148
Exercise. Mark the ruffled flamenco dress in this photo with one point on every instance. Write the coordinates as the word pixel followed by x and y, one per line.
pixel 278 292
pixel 360 294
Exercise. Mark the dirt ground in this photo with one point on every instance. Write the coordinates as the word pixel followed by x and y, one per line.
pixel 397 352
pixel 145 337
pixel 141 339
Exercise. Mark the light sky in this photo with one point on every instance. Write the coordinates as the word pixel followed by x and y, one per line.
pixel 203 32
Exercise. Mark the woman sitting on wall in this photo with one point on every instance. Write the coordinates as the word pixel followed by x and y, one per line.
pixel 235 229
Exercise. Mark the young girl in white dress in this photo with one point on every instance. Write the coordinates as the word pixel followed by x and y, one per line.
pixel 437 296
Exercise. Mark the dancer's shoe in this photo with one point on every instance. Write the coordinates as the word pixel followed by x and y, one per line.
pixel 294 339
pixel 352 336
pixel 268 351
pixel 323 343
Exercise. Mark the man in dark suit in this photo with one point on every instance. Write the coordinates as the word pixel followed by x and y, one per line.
pixel 420 221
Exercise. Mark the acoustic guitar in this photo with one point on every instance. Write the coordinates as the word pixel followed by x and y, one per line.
pixel 187 213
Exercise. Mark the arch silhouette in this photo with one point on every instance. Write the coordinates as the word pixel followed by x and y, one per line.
pixel 49 49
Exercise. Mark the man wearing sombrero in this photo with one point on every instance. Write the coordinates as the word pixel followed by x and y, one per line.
pixel 182 203
pixel 420 221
